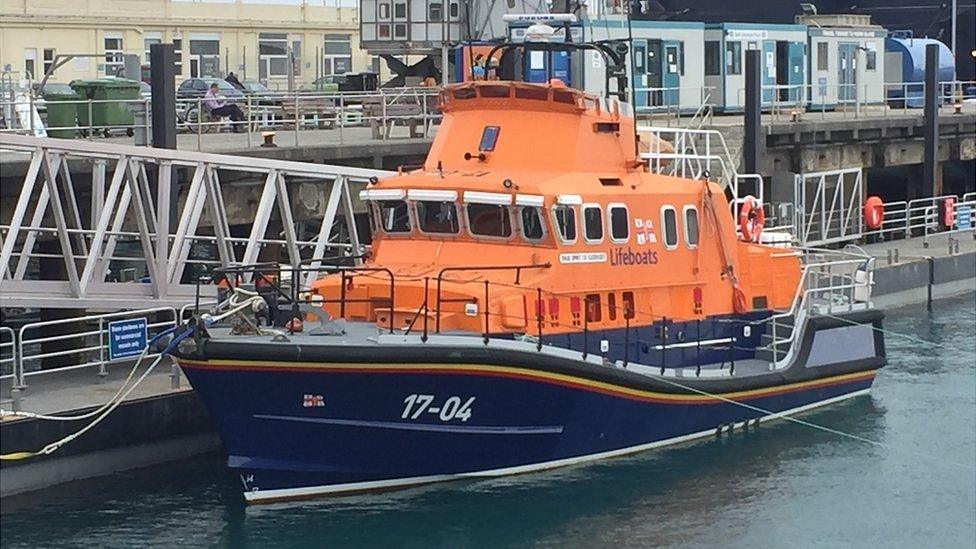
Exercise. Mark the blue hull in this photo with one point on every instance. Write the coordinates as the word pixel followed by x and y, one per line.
pixel 295 430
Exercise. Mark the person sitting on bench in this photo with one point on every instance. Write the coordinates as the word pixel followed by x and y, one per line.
pixel 217 107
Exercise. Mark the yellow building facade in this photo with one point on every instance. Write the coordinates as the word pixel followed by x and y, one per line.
pixel 261 42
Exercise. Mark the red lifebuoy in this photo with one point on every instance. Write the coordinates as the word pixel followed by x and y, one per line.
pixel 752 219
pixel 948 206
pixel 873 212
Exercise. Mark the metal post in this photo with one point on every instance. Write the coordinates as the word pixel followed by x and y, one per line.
pixel 931 180
pixel 752 139
pixel 664 343
pixel 486 312
pixel 423 338
pixel 698 348
pixel 102 372
pixel 538 314
pixel 586 326
pixel 162 70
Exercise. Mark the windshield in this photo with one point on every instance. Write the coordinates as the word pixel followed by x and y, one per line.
pixel 489 220
pixel 255 87
pixel 394 216
pixel 437 217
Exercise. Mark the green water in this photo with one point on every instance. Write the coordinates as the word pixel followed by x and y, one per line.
pixel 784 485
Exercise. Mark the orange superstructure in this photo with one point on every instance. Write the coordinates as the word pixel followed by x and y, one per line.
pixel 537 190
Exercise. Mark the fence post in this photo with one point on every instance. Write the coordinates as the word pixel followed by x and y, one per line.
pixel 297 119
pixel 102 371
pixel 486 313
pixel 538 315
pixel 423 338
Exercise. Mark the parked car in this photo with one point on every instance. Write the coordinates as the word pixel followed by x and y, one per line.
pixel 192 88
pixel 324 84
pixel 261 94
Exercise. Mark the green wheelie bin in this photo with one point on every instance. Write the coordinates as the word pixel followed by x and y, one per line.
pixel 61 103
pixel 112 98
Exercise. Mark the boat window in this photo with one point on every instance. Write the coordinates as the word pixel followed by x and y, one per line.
pixel 670 222
pixel 564 96
pixel 593 307
pixel 530 220
pixel 612 306
pixel 437 217
pixel 489 136
pixel 592 224
pixel 619 224
pixel 494 92
pixel 489 220
pixel 691 226
pixel 628 299
pixel 464 93
pixel 565 217
pixel 394 216
pixel 539 94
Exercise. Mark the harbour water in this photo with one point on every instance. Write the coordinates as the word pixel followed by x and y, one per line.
pixel 783 485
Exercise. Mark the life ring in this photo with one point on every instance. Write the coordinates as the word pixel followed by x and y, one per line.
pixel 873 212
pixel 752 219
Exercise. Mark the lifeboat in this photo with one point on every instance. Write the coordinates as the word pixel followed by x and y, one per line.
pixel 535 296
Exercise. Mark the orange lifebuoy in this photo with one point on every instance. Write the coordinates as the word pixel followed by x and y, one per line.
pixel 873 212
pixel 752 219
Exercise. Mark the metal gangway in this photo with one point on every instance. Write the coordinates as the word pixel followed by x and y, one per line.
pixel 134 192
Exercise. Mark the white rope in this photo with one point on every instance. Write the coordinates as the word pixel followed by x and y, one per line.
pixel 783 415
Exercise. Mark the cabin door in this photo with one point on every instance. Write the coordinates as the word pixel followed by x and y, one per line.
pixel 795 80
pixel 639 73
pixel 768 71
pixel 671 70
pixel 847 72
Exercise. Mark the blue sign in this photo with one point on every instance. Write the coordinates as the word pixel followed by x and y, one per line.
pixel 822 86
pixel 127 338
pixel 964 217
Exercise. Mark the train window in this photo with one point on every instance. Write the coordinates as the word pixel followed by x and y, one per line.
pixel 612 306
pixel 733 57
pixel 592 224
pixel 691 226
pixel 593 313
pixel 822 56
pixel 619 223
pixel 713 60
pixel 565 218
pixel 394 216
pixel 489 220
pixel 437 217
pixel 530 222
pixel 669 221
pixel 629 308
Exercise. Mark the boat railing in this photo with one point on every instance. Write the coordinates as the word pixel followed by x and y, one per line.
pixel 832 281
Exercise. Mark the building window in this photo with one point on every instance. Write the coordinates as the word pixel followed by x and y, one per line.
pixel 400 10
pixel 399 31
pixel 178 50
pixel 30 62
pixel 619 224
pixel 49 54
pixel 435 12
pixel 713 65
pixel 822 56
pixel 205 58
pixel 871 58
pixel 113 56
pixel 272 55
pixel 691 226
pixel 149 42
pixel 592 224
pixel 565 217
pixel 384 31
pixel 296 56
pixel 670 222
pixel 733 57
pixel 454 10
pixel 337 53
pixel 384 11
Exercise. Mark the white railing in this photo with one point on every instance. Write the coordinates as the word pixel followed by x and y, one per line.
pixel 300 115
pixel 8 352
pixel 923 217
pixel 78 342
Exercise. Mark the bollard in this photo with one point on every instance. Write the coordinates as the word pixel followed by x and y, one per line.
pixel 896 255
pixel 15 397
pixel 890 255
pixel 174 376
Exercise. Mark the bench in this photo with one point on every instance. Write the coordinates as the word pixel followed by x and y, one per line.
pixel 403 111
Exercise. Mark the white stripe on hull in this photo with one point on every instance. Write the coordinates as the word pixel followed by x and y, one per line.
pixel 268 496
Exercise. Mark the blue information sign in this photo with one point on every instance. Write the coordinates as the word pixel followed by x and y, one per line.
pixel 127 338
pixel 964 217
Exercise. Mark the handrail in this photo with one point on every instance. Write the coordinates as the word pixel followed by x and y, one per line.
pixel 518 272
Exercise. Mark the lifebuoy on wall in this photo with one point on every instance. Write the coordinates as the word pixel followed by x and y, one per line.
pixel 752 219
pixel 873 212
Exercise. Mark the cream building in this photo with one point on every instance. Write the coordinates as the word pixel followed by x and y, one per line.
pixel 255 41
